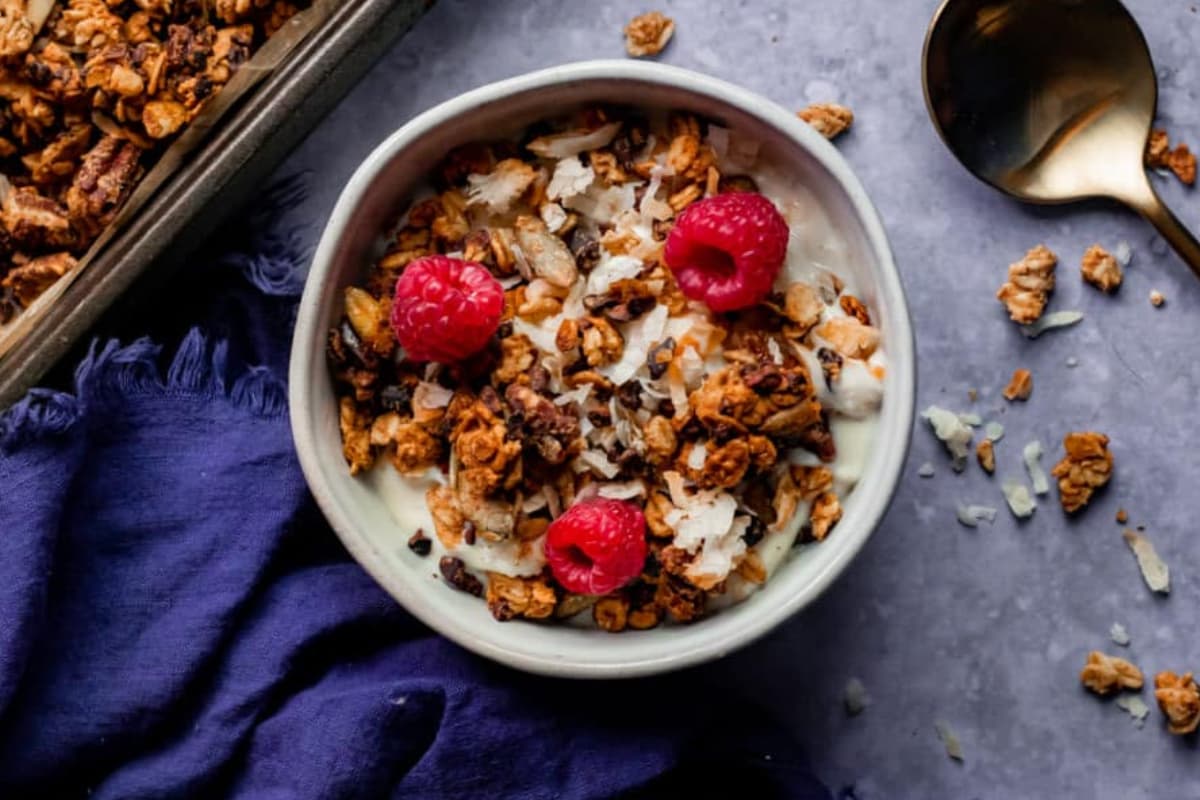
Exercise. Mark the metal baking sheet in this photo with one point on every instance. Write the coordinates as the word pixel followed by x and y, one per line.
pixel 244 149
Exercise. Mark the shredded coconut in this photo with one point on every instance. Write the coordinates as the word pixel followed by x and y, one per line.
pixel 1032 455
pixel 697 455
pixel 572 143
pixel 603 204
pixel 1123 252
pixel 994 431
pixel 579 395
pixel 1154 570
pixel 1055 319
pixel 705 525
pixel 974 420
pixel 622 491
pixel 971 516
pixel 501 187
pixel 599 462
pixel 570 178
pixel 926 470
pixel 1118 634
pixel 1135 707
pixel 611 270
pixel 949 740
pixel 1020 502
pixel 640 335
pixel 953 433
pixel 553 215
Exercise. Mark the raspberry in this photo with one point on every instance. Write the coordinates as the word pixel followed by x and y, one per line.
pixel 726 250
pixel 445 309
pixel 597 546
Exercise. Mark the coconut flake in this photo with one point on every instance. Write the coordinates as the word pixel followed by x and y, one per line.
pixel 626 490
pixel 509 282
pixel 570 178
pixel 854 697
pixel 994 431
pixel 500 188
pixel 534 503
pixel 1020 502
pixel 553 215
pixel 611 270
pixel 1123 252
pixel 598 462
pixel 572 143
pixel 675 487
pixel 652 208
pixel 691 367
pixel 1154 570
pixel 578 395
pixel 431 395
pixel 949 740
pixel 1135 707
pixel 640 335
pixel 542 334
pixel 697 456
pixel 603 203
pixel 971 516
pixel 704 526
pixel 1118 634
pixel 775 351
pixel 926 470
pixel 953 433
pixel 1056 319
pixel 974 420
pixel 1032 455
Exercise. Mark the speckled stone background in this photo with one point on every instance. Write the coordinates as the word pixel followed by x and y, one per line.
pixel 984 628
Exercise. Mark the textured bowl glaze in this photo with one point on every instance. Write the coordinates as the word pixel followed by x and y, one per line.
pixel 379 190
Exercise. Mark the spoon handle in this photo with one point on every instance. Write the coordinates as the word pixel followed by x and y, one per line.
pixel 1151 206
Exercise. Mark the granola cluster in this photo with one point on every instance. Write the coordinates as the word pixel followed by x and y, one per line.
pixel 1105 674
pixel 603 380
pixel 1030 282
pixel 93 92
pixel 1179 698
pixel 1086 467
pixel 1179 159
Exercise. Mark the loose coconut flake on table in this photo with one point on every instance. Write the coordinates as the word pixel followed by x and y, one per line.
pixel 855 697
pixel 1118 634
pixel 926 470
pixel 1020 502
pixel 950 429
pixel 972 515
pixel 1032 455
pixel 1154 570
pixel 949 740
pixel 994 431
pixel 1055 319
pixel 1135 707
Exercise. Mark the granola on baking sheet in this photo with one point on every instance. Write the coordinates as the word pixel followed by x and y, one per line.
pixel 95 91
pixel 601 381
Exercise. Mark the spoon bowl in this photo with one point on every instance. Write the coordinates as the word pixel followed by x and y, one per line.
pixel 1050 101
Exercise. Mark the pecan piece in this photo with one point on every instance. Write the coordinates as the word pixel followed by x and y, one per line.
pixel 104 180
pixel 34 221
pixel 29 280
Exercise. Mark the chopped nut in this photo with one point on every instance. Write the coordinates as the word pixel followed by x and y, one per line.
pixel 826 512
pixel 850 337
pixel 1030 282
pixel 1105 674
pixel 803 306
pixel 1182 162
pixel 986 455
pixel 1179 699
pixel 1020 386
pixel 602 343
pixel 508 597
pixel 454 571
pixel 29 280
pixel 104 180
pixel 828 119
pixel 1086 467
pixel 659 436
pixel 162 118
pixel 1101 269
pixel 657 507
pixel 34 221
pixel 647 34
pixel 517 355
pixel 356 436
pixel 855 308
pixel 611 613
pixel 1122 516
pixel 1156 298
pixel 1157 149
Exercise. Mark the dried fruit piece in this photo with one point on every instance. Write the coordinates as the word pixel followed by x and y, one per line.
pixel 1086 467
pixel 828 119
pixel 1179 698
pixel 1030 282
pixel 1020 386
pixel 726 250
pixel 1100 269
pixel 1105 674
pixel 445 309
pixel 597 546
pixel 647 34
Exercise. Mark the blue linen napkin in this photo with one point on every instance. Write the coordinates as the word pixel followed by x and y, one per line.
pixel 177 620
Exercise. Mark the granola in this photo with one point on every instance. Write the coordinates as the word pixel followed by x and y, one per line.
pixel 1086 467
pixel 1179 698
pixel 93 93
pixel 647 34
pixel 603 380
pixel 1105 674
pixel 1030 282
pixel 1020 386
pixel 828 119
pixel 1179 160
pixel 1100 269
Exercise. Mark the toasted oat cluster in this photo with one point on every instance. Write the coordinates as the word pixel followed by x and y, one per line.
pixel 829 119
pixel 1105 674
pixel 92 94
pixel 1101 269
pixel 1030 282
pixel 603 380
pixel 1179 698
pixel 1020 385
pixel 647 34
pixel 1086 467
pixel 1179 159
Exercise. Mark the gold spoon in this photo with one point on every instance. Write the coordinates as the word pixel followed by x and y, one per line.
pixel 1050 101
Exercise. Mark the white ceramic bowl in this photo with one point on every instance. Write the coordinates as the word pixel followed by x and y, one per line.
pixel 353 237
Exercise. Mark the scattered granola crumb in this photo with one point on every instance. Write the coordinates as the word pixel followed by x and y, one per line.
pixel 1020 386
pixel 647 34
pixel 949 740
pixel 1122 516
pixel 1101 269
pixel 855 697
pixel 1179 699
pixel 1135 707
pixel 986 456
pixel 953 433
pixel 1030 282
pixel 1105 674
pixel 1072 362
pixel 1057 319
pixel 971 516
pixel 828 119
pixel 972 395
pixel 1086 467
pixel 1157 148
pixel 1118 634
pixel 1179 159
pixel 1019 500
pixel 1032 455
pixel 926 470
pixel 1155 572
pixel 1157 299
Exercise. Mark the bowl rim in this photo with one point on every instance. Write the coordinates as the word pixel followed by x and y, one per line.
pixel 705 644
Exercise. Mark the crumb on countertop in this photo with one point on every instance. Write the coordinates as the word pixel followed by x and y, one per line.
pixel 1020 385
pixel 1105 674
pixel 986 456
pixel 647 34
pixel 1086 467
pixel 1101 269
pixel 1155 571
pixel 1179 159
pixel 1179 699
pixel 1157 299
pixel 1030 282
pixel 830 120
